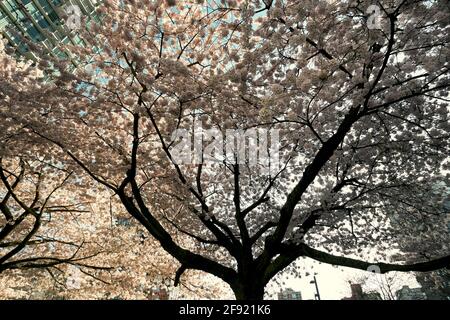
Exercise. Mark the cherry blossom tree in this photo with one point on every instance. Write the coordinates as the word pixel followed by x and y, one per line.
pixel 53 249
pixel 359 98
pixel 39 213
pixel 26 239
pixel 122 246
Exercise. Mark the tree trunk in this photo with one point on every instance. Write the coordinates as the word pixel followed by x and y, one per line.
pixel 248 291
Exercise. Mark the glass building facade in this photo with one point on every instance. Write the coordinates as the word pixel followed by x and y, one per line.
pixel 41 21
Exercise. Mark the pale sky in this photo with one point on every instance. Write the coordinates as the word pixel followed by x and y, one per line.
pixel 332 281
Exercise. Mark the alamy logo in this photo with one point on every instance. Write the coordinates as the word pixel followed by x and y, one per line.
pixel 73 21
pixel 255 147
pixel 374 269
pixel 374 20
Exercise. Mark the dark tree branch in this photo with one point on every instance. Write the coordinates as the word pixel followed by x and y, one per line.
pixel 178 274
pixel 440 263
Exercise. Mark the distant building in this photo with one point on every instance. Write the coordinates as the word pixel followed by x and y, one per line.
pixel 359 294
pixel 435 284
pixel 407 293
pixel 289 294
pixel 372 295
pixel 41 21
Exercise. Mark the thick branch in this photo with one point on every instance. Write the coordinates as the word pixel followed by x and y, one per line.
pixel 440 263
